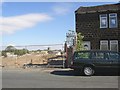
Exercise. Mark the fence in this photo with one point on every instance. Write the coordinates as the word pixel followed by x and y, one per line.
pixel 17 56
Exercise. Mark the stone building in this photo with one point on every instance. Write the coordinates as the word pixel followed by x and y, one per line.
pixel 100 26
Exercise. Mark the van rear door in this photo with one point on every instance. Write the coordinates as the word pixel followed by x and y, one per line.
pixel 114 59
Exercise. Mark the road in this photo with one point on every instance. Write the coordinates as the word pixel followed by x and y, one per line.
pixel 58 78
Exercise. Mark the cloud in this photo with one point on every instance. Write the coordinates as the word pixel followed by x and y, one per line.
pixel 1 2
pixel 62 9
pixel 12 24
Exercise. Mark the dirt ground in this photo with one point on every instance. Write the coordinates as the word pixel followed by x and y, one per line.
pixel 17 62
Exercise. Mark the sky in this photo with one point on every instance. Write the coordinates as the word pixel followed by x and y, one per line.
pixel 39 23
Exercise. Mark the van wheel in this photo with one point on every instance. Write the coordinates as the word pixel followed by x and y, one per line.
pixel 88 71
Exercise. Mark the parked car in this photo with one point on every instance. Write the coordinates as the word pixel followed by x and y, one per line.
pixel 88 62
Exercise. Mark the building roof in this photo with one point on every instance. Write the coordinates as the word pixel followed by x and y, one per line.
pixel 100 8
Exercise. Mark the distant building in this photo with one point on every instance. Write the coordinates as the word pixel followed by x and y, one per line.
pixel 55 52
pixel 100 26
pixel 11 55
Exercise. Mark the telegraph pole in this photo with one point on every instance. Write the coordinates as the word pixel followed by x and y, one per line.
pixel 71 43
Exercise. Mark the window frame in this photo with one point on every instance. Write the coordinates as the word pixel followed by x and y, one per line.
pixel 111 42
pixel 106 18
pixel 115 19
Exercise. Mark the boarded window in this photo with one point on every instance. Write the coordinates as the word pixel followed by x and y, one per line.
pixel 103 45
pixel 114 45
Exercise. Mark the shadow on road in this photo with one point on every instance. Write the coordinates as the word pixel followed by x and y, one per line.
pixel 72 73
pixel 63 72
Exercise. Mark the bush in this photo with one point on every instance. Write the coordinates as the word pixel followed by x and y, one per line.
pixel 21 52
pixel 4 53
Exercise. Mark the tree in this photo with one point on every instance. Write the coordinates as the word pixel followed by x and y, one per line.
pixel 14 51
pixel 79 42
pixel 10 49
pixel 4 53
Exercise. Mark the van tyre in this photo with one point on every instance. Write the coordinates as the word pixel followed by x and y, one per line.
pixel 88 71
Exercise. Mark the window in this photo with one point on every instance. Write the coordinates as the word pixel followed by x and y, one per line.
pixel 103 21
pixel 82 55
pixel 114 45
pixel 113 56
pixel 86 45
pixel 112 20
pixel 104 45
pixel 98 55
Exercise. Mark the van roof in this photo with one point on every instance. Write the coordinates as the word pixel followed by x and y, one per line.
pixel 97 51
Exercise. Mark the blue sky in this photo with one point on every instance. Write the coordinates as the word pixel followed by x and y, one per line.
pixel 36 23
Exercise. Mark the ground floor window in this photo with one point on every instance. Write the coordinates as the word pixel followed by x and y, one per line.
pixel 103 45
pixel 114 45
pixel 109 45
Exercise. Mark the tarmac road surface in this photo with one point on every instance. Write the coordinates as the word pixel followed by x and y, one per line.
pixel 58 78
